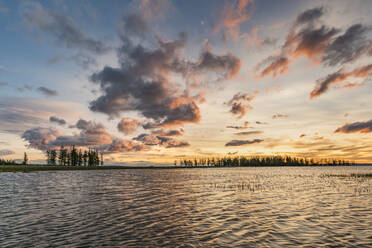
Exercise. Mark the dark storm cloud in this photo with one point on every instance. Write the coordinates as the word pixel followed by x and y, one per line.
pixel 61 28
pixel 349 46
pixel 243 142
pixel 340 76
pixel 240 104
pixel 356 127
pixel 6 152
pixel 57 120
pixel 47 92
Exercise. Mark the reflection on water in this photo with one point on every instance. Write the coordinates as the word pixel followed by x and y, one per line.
pixel 211 207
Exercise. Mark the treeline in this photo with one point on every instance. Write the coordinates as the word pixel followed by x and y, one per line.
pixel 260 161
pixel 73 157
pixel 7 162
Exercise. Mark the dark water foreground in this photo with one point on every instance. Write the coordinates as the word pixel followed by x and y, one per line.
pixel 213 207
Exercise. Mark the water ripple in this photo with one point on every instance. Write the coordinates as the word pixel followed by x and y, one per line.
pixel 219 207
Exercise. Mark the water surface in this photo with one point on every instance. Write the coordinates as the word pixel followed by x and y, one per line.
pixel 210 207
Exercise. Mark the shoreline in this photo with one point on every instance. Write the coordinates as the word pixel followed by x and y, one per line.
pixel 36 168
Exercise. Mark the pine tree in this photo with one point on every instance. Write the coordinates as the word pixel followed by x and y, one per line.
pixel 85 157
pixel 80 158
pixel 61 156
pixel 53 157
pixel 48 157
pixel 25 159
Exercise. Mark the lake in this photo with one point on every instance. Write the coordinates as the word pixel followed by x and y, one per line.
pixel 199 207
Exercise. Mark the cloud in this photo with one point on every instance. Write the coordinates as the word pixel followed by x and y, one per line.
pixel 243 142
pixel 40 138
pixel 128 125
pixel 162 132
pixel 237 127
pixel 277 65
pixel 15 117
pixel 276 116
pixel 120 145
pixel 228 63
pixel 348 47
pixel 57 120
pixel 153 10
pixel 134 24
pixel 340 76
pixel 240 104
pixel 311 39
pixel 244 126
pixel 145 83
pixel 6 152
pixel 167 142
pixel 61 28
pixel 310 15
pixel 47 92
pixel 261 123
pixel 232 16
pixel 253 38
pixel 356 127
pixel 92 135
pixel 249 133
pixel 82 59
pixel 306 38
pixel 18 114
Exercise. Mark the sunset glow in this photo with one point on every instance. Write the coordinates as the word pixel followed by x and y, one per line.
pixel 155 81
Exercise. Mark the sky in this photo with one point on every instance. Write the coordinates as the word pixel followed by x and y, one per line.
pixel 150 82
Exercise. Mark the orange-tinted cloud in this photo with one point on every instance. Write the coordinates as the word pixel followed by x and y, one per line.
pixel 240 104
pixel 311 39
pixel 277 66
pixel 243 142
pixel 356 127
pixel 233 15
pixel 128 125
pixel 340 76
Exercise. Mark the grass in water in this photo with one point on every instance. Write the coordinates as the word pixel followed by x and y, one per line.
pixel 348 175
